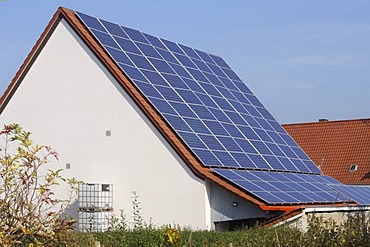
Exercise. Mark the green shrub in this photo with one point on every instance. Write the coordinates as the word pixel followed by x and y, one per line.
pixel 29 211
pixel 320 232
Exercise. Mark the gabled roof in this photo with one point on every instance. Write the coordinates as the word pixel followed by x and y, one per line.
pixel 335 146
pixel 258 184
pixel 71 17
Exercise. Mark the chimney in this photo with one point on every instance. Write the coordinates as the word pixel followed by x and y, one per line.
pixel 323 120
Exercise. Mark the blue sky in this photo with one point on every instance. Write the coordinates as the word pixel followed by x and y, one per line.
pixel 304 60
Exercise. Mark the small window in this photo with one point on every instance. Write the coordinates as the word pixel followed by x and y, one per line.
pixel 353 168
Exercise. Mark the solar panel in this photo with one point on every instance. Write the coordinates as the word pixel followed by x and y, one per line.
pixel 357 193
pixel 218 117
pixel 206 82
pixel 283 188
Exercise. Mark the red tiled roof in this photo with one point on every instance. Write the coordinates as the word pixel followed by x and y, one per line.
pixel 335 146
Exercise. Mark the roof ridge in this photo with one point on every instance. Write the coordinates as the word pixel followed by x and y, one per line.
pixel 364 120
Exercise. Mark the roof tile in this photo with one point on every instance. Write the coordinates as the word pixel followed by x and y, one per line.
pixel 336 145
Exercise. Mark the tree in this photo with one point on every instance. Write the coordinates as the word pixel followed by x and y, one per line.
pixel 29 211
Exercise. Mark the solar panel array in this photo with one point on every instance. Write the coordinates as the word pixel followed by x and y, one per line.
pixel 279 187
pixel 203 100
pixel 357 193
pixel 217 116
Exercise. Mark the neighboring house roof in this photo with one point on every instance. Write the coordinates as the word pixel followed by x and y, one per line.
pixel 340 148
pixel 242 181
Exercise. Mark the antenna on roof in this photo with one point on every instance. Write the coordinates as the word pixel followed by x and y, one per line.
pixel 322 162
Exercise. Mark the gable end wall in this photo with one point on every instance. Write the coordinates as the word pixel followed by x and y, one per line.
pixel 69 100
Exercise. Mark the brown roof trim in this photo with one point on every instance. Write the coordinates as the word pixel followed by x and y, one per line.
pixel 9 92
pixel 192 162
pixel 282 217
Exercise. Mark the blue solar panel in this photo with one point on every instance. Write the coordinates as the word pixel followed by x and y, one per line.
pixel 170 93
pixel 154 41
pixel 229 144
pixel 357 193
pixel 231 74
pixel 197 75
pixel 133 72
pixel 161 66
pixel 202 112
pixel 206 58
pixel 206 100
pixel 219 61
pixel 148 89
pixel 243 160
pixel 203 66
pixel 105 39
pixel 197 125
pixel 128 44
pixel 183 110
pixel 207 157
pixel 140 61
pixel 212 142
pixel 216 70
pixel 261 147
pixel 155 78
pixel 185 61
pixel 91 22
pixel 177 122
pixel 249 133
pixel 274 163
pixel 190 97
pixel 135 35
pixel 189 51
pixel 175 81
pixel 263 135
pixel 225 157
pixel 148 50
pixel 215 114
pixel 192 140
pixel 278 188
pixel 119 56
pixel 181 71
pixel 246 146
pixel 229 96
pixel 173 46
pixel 210 89
pixel 222 103
pixel 114 29
pixel 233 130
pixel 168 56
pixel 162 106
pixel 235 117
pixel 216 128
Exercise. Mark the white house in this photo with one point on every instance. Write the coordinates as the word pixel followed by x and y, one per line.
pixel 73 96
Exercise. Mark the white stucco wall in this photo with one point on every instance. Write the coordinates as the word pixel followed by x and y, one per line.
pixel 222 208
pixel 338 215
pixel 68 100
